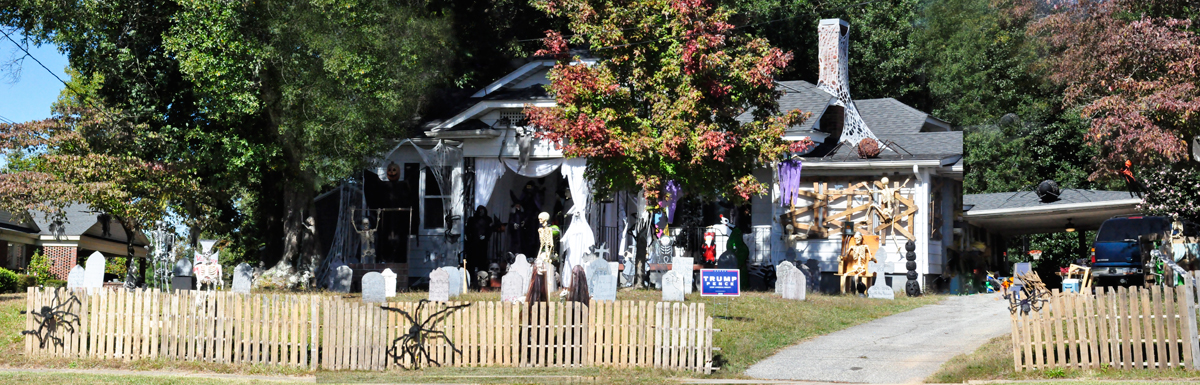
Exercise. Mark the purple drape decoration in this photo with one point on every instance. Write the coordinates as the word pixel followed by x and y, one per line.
pixel 672 193
pixel 789 180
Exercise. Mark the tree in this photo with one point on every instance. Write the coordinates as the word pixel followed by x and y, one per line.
pixel 662 102
pixel 1134 75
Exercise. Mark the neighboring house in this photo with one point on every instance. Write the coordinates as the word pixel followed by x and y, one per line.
pixel 65 242
pixel 486 132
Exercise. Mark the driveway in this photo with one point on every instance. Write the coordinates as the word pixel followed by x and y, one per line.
pixel 902 348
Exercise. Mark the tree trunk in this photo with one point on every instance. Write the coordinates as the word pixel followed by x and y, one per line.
pixel 133 276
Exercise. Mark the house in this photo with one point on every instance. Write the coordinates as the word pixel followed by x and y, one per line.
pixel 64 241
pixel 482 155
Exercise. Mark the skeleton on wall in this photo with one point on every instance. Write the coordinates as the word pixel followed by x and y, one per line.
pixel 207 267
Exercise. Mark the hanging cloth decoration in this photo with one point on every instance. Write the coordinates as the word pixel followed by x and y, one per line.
pixel 671 194
pixel 535 168
pixel 578 237
pixel 446 163
pixel 789 181
pixel 487 172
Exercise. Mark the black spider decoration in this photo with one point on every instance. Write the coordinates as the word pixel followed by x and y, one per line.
pixel 412 344
pixel 50 317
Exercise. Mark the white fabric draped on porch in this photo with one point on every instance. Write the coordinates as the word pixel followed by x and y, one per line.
pixel 579 237
pixel 487 172
pixel 535 168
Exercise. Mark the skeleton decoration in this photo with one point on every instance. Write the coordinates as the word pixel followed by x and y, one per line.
pixel 367 233
pixel 545 240
pixel 524 145
pixel 833 39
pixel 50 317
pixel 411 345
pixel 207 267
pixel 162 252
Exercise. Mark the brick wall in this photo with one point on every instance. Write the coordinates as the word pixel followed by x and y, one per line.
pixel 62 260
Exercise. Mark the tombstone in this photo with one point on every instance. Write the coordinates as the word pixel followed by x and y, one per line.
pixel 243 278
pixel 389 283
pixel 595 272
pixel 183 268
pixel 455 280
pixel 683 265
pixel 183 277
pixel 781 275
pixel 439 285
pixel 522 266
pixel 513 287
pixel 879 290
pixel 727 261
pixel 76 277
pixel 373 288
pixel 795 285
pixel 606 288
pixel 93 273
pixel 672 286
pixel 343 277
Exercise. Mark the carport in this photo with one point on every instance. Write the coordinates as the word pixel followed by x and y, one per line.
pixel 994 218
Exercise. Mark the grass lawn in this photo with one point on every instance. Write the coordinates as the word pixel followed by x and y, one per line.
pixel 753 327
pixel 994 361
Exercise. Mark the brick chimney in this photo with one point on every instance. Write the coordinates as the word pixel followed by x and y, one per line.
pixel 833 39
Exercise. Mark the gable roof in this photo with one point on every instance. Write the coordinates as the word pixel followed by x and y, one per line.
pixel 1026 199
pixel 82 220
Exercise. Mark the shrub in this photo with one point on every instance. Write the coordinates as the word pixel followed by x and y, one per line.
pixel 55 283
pixel 24 281
pixel 10 282
pixel 39 266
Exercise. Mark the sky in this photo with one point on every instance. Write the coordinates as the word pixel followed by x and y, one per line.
pixel 30 94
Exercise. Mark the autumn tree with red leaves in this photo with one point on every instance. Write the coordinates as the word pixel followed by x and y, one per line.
pixel 662 100
pixel 1134 75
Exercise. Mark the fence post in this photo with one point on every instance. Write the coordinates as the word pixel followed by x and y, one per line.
pixel 1190 337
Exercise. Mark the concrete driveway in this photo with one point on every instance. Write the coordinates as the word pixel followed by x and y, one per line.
pixel 902 348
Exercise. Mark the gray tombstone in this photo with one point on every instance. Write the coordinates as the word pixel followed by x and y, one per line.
pixel 243 278
pixel 93 273
pixel 521 266
pixel 75 279
pixel 795 286
pixel 374 289
pixel 594 270
pixel 439 285
pixel 183 268
pixel 389 283
pixel 456 280
pixel 684 266
pixel 781 276
pixel 879 290
pixel 513 287
pixel 343 278
pixel 672 286
pixel 606 288
pixel 727 261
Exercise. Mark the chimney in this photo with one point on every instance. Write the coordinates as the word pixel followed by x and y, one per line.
pixel 833 52
pixel 833 39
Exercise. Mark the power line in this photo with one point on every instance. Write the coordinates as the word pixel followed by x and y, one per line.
pixel 39 62
pixel 6 120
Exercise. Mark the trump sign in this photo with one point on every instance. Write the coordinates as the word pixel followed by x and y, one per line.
pixel 721 282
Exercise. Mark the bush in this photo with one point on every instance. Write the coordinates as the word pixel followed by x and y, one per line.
pixel 10 282
pixel 39 266
pixel 24 281
pixel 55 283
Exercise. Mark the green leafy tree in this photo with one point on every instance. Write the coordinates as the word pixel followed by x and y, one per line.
pixel 662 102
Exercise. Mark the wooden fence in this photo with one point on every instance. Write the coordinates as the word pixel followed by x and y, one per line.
pixel 335 334
pixel 1121 328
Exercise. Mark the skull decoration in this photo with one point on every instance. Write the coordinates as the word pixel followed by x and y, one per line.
pixel 494 270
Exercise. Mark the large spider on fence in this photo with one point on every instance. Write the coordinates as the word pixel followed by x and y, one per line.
pixel 49 317
pixel 1031 297
pixel 412 344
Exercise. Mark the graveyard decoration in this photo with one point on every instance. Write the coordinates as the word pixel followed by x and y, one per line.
pixel 852 265
pixel 373 288
pixel 912 287
pixel 1030 295
pixel 439 285
pixel 578 238
pixel 879 290
pixel 389 283
pixel 207 267
pixel 243 278
pixel 75 279
pixel 183 277
pixel 412 345
pixel 93 275
pixel 50 317
pixel 672 286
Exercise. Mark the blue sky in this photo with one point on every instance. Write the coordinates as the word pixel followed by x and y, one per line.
pixel 30 96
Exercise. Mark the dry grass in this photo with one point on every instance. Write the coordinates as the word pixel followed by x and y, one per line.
pixel 994 361
pixel 753 327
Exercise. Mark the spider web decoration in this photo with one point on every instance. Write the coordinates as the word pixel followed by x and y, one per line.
pixel 833 38
pixel 412 344
pixel 50 317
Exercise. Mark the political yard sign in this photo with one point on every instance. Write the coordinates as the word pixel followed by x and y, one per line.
pixel 720 282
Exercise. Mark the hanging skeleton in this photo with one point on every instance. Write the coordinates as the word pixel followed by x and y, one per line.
pixel 367 239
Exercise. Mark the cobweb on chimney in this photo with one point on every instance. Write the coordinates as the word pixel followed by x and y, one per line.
pixel 834 43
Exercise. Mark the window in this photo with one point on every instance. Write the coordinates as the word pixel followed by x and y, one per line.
pixel 516 117
pixel 432 214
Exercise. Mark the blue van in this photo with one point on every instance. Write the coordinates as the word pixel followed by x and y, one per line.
pixel 1116 256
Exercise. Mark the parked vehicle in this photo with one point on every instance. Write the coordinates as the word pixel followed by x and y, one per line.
pixel 1117 256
